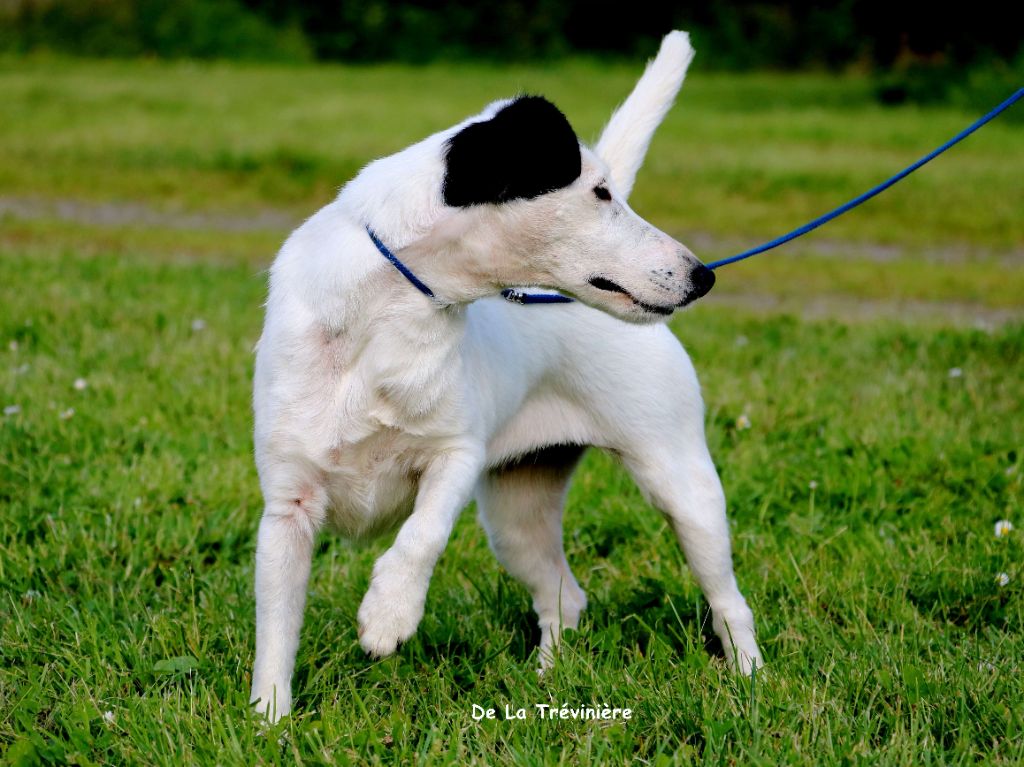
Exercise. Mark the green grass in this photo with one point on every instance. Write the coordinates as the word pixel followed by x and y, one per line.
pixel 863 495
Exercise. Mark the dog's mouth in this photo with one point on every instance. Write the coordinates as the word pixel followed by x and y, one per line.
pixel 603 283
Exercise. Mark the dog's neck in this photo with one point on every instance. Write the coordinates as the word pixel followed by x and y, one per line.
pixel 471 254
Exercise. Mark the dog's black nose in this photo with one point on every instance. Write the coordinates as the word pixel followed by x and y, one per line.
pixel 702 279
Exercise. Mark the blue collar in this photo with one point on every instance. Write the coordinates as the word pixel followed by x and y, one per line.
pixel 405 270
pixel 514 295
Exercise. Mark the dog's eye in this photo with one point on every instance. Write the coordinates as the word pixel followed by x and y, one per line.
pixel 602 193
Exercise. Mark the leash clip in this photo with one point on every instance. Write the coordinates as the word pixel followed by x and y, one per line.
pixel 514 296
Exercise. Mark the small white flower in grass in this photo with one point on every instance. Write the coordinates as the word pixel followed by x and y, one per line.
pixel 31 596
pixel 1003 528
pixel 1002 579
pixel 66 414
pixel 986 666
pixel 13 346
pixel 12 409
pixel 955 372
pixel 741 340
pixel 81 384
pixel 813 484
pixel 743 422
pixel 109 717
pixel 198 324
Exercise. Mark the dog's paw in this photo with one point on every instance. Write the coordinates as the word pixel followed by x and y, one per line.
pixel 545 657
pixel 745 661
pixel 386 618
pixel 271 703
pixel 735 629
pixel 547 652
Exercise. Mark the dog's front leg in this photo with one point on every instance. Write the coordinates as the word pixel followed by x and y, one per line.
pixel 284 552
pixel 393 605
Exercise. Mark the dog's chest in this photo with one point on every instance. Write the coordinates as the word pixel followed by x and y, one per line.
pixel 371 484
pixel 390 414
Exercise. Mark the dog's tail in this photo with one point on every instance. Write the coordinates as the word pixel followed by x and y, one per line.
pixel 627 135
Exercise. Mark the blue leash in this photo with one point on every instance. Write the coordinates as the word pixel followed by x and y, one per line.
pixel 871 192
pixel 521 297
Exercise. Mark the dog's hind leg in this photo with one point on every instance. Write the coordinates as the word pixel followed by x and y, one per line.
pixel 284 551
pixel 652 415
pixel 681 481
pixel 665 450
pixel 520 507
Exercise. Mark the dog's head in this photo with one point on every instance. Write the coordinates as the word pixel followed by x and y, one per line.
pixel 521 183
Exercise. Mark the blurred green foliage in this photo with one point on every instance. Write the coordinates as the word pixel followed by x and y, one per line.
pixel 916 55
pixel 204 29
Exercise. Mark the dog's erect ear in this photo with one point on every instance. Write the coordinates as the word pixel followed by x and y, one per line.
pixel 625 139
pixel 527 149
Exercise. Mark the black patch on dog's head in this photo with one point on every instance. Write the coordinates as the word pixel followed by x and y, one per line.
pixel 527 149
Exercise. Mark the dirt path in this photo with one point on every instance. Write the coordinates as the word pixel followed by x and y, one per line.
pixel 115 214
pixel 853 309
pixel 843 307
pixel 821 246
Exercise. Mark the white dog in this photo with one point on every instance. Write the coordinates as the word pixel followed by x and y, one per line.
pixel 390 394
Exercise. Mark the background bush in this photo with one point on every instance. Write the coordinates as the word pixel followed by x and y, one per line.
pixel 122 28
pixel 972 58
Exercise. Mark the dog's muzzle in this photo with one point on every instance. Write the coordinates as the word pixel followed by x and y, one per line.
pixel 702 280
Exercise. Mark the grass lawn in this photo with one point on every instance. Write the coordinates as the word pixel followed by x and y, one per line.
pixel 140 204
